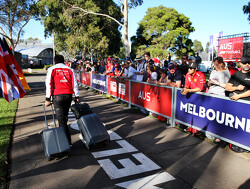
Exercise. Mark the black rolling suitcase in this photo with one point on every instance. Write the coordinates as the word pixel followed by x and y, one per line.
pixel 55 141
pixel 93 131
pixel 81 109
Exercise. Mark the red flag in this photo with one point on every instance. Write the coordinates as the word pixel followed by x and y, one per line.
pixel 10 84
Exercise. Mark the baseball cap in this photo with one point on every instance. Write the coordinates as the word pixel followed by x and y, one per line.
pixel 245 60
pixel 109 58
pixel 191 58
pixel 116 65
pixel 193 65
pixel 171 66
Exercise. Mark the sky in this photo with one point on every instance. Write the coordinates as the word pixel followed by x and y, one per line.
pixel 208 17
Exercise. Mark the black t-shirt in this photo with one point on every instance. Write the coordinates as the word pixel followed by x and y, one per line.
pixel 183 68
pixel 239 78
pixel 177 76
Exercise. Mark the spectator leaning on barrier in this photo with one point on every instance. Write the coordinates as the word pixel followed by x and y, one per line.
pixel 101 69
pixel 174 76
pixel 60 85
pixel 239 83
pixel 129 72
pixel 163 79
pixel 217 82
pixel 140 67
pixel 183 68
pixel 109 67
pixel 218 78
pixel 195 82
pixel 152 78
pixel 148 61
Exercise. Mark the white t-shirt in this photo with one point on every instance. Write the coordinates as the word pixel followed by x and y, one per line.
pixel 130 72
pixel 140 68
pixel 153 76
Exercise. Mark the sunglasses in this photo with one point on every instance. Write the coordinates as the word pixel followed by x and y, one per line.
pixel 191 68
pixel 245 63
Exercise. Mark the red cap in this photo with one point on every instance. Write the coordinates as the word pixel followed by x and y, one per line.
pixel 116 65
pixel 109 59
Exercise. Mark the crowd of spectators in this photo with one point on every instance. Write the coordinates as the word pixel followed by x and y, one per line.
pixel 224 79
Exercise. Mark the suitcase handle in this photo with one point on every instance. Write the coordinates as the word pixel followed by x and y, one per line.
pixel 46 116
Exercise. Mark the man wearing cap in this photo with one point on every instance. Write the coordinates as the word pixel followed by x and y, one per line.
pixel 239 83
pixel 109 67
pixel 195 80
pixel 140 68
pixel 174 76
pixel 129 72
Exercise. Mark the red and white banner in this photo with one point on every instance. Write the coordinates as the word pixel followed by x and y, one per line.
pixel 154 98
pixel 118 88
pixel 86 78
pixel 231 48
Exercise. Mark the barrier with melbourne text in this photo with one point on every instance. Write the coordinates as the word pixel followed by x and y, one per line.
pixel 225 118
pixel 118 88
pixel 99 82
pixel 86 78
pixel 155 98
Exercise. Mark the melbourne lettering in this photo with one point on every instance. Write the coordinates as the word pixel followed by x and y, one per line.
pixel 220 117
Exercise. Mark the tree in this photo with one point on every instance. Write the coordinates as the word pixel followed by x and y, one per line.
pixel 78 32
pixel 207 47
pixel 124 6
pixel 197 46
pixel 246 10
pixel 162 30
pixel 14 16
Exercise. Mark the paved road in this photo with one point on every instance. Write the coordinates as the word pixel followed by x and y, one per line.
pixel 142 152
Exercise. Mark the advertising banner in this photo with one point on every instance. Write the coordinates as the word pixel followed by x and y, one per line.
pixel 99 82
pixel 118 88
pixel 226 118
pixel 154 98
pixel 231 48
pixel 86 78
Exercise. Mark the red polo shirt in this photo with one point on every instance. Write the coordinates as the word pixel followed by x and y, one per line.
pixel 196 81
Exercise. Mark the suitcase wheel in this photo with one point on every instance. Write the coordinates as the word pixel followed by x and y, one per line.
pixel 48 158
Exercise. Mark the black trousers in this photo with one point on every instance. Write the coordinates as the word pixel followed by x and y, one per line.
pixel 62 104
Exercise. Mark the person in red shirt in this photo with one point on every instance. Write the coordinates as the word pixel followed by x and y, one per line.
pixel 231 68
pixel 195 82
pixel 109 67
pixel 116 72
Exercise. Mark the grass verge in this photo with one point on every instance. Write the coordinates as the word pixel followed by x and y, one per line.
pixel 7 116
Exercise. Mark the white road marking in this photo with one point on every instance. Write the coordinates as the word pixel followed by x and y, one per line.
pixel 147 182
pixel 74 126
pixel 126 148
pixel 71 119
pixel 71 115
pixel 113 135
pixel 129 167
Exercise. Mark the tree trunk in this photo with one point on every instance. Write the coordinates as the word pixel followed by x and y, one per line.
pixel 125 29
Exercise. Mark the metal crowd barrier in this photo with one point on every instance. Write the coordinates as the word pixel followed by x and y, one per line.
pixel 214 115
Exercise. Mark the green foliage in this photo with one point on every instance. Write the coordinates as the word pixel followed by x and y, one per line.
pixel 246 10
pixel 161 30
pixel 7 115
pixel 78 32
pixel 47 66
pixel 14 15
pixel 197 46
pixel 207 47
